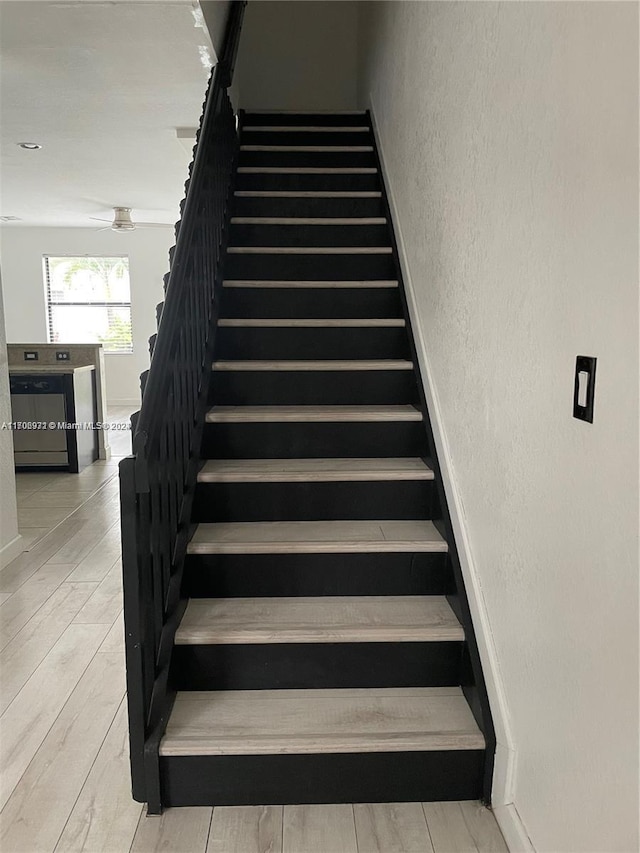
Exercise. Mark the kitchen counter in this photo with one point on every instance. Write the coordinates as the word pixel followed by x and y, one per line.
pixel 85 356
pixel 34 367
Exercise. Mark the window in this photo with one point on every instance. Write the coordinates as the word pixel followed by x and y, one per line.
pixel 89 301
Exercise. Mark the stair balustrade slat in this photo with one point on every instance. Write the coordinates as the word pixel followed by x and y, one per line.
pixel 154 485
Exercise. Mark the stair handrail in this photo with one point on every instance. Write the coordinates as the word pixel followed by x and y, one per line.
pixel 157 482
pixel 146 430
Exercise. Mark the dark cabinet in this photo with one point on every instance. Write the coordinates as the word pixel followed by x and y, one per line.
pixel 54 417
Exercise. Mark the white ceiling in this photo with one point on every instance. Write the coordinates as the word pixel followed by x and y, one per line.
pixel 102 86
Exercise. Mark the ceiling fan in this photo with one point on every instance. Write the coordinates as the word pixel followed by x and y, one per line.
pixel 122 221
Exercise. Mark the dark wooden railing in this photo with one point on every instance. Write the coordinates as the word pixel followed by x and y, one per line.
pixel 157 482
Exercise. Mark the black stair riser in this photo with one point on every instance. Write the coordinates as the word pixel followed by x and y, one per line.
pixel 315 159
pixel 300 342
pixel 314 501
pixel 309 235
pixel 305 666
pixel 307 137
pixel 273 575
pixel 341 182
pixel 310 303
pixel 308 207
pixel 313 266
pixel 312 388
pixel 307 119
pixel 305 440
pixel 379 777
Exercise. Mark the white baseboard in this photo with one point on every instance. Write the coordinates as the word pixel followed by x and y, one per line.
pixel 512 828
pixel 11 550
pixel 504 767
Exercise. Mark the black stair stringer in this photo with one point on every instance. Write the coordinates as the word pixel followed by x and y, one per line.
pixel 474 686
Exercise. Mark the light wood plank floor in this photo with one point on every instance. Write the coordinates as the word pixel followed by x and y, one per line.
pixel 64 775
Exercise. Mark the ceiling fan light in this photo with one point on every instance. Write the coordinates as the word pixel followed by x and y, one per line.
pixel 122 219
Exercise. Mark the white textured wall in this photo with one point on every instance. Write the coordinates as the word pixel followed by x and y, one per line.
pixel 9 537
pixel 510 139
pixel 298 54
pixel 215 14
pixel 24 291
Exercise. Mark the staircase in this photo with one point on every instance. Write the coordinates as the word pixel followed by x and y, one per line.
pixel 321 648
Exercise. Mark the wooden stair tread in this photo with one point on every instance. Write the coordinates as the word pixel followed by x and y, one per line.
pixel 308 220
pixel 313 470
pixel 308 283
pixel 309 250
pixel 320 619
pixel 307 194
pixel 312 414
pixel 306 170
pixel 296 128
pixel 316 149
pixel 311 364
pixel 317 537
pixel 261 722
pixel 266 323
pixel 306 113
